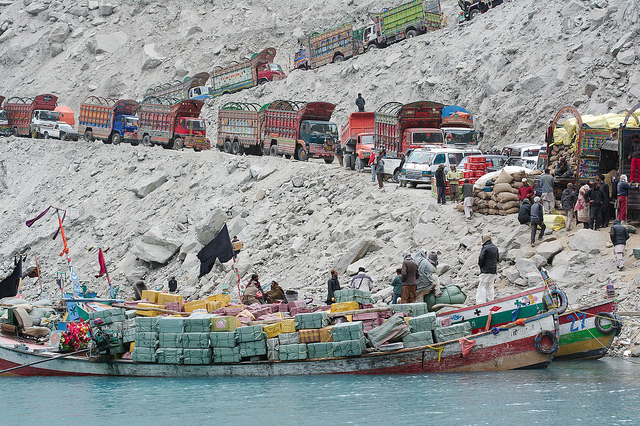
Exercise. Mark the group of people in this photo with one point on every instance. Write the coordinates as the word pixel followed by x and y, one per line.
pixel 254 293
pixel 453 178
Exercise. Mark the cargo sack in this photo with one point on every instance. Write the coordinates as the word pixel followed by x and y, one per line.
pixel 412 309
pixel 426 322
pixel 226 355
pixel 225 323
pixel 503 177
pixel 320 350
pixel 129 335
pixel 501 187
pixel 223 339
pixel 392 330
pixel 348 331
pixel 451 295
pixel 146 339
pixel 311 320
pixel 254 348
pixel 289 338
pixel 250 333
pixel 139 355
pixel 271 330
pixel 504 197
pixel 555 222
pixel 273 349
pixel 288 325
pixel 344 306
pixel 195 340
pixel 453 332
pixel 349 347
pixel 171 325
pixel 170 356
pixel 415 340
pixel 311 335
pixel 293 352
pixel 170 340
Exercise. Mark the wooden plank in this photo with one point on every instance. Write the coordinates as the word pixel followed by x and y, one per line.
pixel 629 314
pixel 163 311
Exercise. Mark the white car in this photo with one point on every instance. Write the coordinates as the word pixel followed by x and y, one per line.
pixel 62 131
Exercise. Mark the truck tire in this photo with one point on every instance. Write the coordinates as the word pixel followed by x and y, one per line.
pixel 347 161
pixel 14 132
pixel 227 146
pixel 411 33
pixel 134 142
pixel 34 134
pixel 362 163
pixel 413 184
pixel 328 160
pixel 474 13
pixel 263 81
pixel 396 176
pixel 371 47
pixel 273 150
pixel 116 138
pixel 63 136
pixel 338 58
pixel 235 148
pixel 46 135
pixel 88 136
pixel 302 154
pixel 352 161
pixel 146 140
pixel 178 143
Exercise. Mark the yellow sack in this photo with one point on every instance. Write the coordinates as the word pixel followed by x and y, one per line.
pixel 272 330
pixel 288 326
pixel 554 221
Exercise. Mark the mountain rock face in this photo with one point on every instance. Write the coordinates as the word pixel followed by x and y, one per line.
pixel 513 68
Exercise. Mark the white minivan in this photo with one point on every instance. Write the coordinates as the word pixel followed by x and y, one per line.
pixel 422 164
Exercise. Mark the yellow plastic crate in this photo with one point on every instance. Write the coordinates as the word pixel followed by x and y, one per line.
pixel 225 298
pixel 150 295
pixel 214 305
pixel 326 334
pixel 196 304
pixel 345 306
pixel 288 326
pixel 149 313
pixel 164 298
pixel 272 330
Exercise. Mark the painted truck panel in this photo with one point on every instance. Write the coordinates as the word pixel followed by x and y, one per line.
pixel 163 121
pixel 320 49
pixel 4 123
pixel 191 87
pixel 246 73
pixel 100 118
pixel 238 123
pixel 20 111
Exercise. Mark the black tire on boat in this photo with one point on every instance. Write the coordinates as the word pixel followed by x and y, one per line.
pixel 138 287
pixel 606 323
pixel 542 344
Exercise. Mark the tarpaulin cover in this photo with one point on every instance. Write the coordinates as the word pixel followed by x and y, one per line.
pixel 320 350
pixel 353 295
pixel 413 309
pixel 170 356
pixel 348 331
pixel 171 325
pixel 293 352
pixel 426 322
pixel 170 340
pixel 140 355
pixel 289 338
pixel 392 330
pixel 129 335
pixel 466 345
pixel 273 349
pixel 223 339
pixel 197 356
pixel 226 354
pixel 421 338
pixel 255 348
pixel 311 320
pixel 146 339
pixel 197 325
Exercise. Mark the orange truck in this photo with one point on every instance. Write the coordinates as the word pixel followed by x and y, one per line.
pixel 31 116
pixel 357 139
pixel 171 124
pixel 108 120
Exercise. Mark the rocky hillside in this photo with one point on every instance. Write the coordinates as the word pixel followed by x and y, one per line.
pixel 513 67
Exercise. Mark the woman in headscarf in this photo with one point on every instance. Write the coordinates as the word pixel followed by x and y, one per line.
pixel 582 206
pixel 275 294
pixel 253 293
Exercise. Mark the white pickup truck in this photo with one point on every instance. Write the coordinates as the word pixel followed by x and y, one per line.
pixel 47 124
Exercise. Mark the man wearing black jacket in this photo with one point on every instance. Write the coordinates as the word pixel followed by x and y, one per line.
pixel 334 285
pixel 537 220
pixel 441 185
pixel 524 215
pixel 488 262
pixel 595 206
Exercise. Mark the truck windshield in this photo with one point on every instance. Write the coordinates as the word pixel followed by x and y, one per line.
pixel 420 157
pixel 367 139
pixel 427 138
pixel 131 122
pixel 195 125
pixel 3 115
pixel 275 67
pixel 49 116
pixel 467 137
pixel 324 130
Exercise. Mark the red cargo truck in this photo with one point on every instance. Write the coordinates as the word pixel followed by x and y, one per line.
pixel 358 139
pixel 194 87
pixel 171 124
pixel 108 120
pixel 31 116
pixel 301 129
pixel 248 72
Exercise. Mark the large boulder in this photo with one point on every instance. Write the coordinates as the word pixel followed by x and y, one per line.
pixel 588 241
pixel 145 187
pixel 549 249
pixel 526 267
pixel 154 247
pixel 107 43
pixel 209 227
pixel 150 58
pixel 355 252
pixel 59 32
pixel 36 7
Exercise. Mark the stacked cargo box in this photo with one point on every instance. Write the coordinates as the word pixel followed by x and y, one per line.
pixel 421 330
pixel 411 309
pixel 113 325
pixel 146 340
pixel 223 339
pixel 195 340
pixel 170 337
pixel 353 295
pixel 452 332
pixel 252 341
pixel 392 330
pixel 348 338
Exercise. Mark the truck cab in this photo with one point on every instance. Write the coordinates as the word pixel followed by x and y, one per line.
pixel 369 37
pixel 270 72
pixel 201 92
pixel 301 59
pixel 364 147
pixel 43 123
pixel 126 126
pixel 4 124
pixel 321 137
pixel 421 137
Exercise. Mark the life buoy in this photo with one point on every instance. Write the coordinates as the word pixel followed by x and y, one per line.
pixel 543 347
pixel 607 323
pixel 556 298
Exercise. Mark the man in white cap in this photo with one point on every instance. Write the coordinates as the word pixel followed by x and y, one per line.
pixel 525 191
pixel 488 262
pixel 362 281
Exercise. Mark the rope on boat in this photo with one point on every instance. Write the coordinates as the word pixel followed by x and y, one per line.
pixel 43 360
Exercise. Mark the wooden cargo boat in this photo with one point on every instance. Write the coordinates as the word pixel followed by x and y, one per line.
pixel 527 343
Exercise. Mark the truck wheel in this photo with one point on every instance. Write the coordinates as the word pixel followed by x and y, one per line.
pixel 412 33
pixel 263 81
pixel 302 154
pixel 362 163
pixel 146 140
pixel 88 136
pixel 328 160
pixel 287 156
pixel 115 138
pixel 134 142
pixel 413 184
pixel 371 47
pixel 347 161
pixel 273 150
pixel 396 176
pixel 235 148
pixel 338 58
pixel 34 134
pixel 46 135
pixel 63 136
pixel 227 147
pixel 474 13
pixel 14 132
pixel 178 143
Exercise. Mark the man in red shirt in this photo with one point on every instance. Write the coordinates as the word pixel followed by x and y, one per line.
pixel 525 191
pixel 372 164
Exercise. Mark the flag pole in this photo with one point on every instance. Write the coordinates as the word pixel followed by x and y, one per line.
pixel 106 272
pixel 39 276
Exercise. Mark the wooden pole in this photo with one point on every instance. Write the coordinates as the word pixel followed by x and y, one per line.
pixel 164 311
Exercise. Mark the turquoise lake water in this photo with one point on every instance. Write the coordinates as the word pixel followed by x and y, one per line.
pixel 604 392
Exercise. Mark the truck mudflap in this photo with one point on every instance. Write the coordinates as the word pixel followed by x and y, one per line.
pixel 197 142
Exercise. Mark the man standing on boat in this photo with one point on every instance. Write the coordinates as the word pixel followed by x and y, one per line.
pixel 334 285
pixel 362 281
pixel 488 262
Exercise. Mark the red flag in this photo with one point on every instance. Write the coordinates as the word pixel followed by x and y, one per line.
pixel 103 266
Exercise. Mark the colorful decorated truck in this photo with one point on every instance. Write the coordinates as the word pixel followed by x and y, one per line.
pixel 171 123
pixel 194 87
pixel 246 73
pixel 108 120
pixel 31 116
pixel 4 123
pixel 404 21
pixel 298 129
pixel 357 138
pixel 334 45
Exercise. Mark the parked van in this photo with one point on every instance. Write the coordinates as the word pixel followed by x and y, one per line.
pixel 422 164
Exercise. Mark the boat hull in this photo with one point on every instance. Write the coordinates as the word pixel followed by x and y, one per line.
pixel 512 348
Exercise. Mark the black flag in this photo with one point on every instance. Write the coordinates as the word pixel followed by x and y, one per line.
pixel 219 248
pixel 9 286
